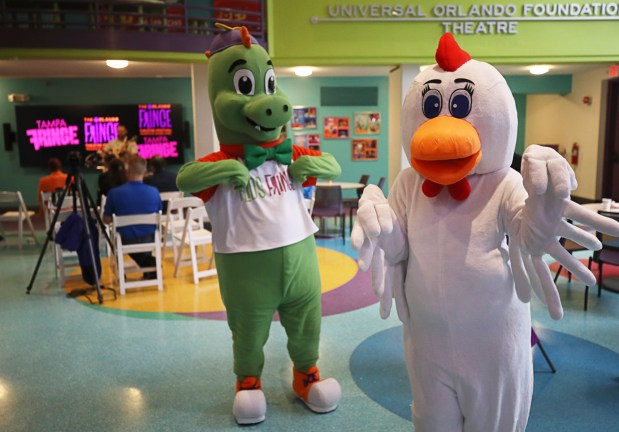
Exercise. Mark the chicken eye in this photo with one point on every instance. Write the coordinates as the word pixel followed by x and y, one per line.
pixel 269 81
pixel 244 82
pixel 460 103
pixel 432 103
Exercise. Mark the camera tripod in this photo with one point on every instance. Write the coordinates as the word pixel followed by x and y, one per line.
pixel 76 182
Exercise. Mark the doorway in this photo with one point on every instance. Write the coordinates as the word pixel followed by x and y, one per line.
pixel 610 139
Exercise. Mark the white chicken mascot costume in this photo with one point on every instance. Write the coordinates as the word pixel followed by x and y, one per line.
pixel 461 237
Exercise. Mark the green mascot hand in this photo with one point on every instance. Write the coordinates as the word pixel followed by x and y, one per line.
pixel 324 166
pixel 196 176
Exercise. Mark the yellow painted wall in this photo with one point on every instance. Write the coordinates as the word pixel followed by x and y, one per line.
pixel 563 120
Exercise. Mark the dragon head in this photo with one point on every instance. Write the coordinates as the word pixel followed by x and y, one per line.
pixel 248 107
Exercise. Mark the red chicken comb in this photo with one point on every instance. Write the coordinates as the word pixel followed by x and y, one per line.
pixel 449 55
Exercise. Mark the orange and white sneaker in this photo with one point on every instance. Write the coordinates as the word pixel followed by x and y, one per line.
pixel 321 396
pixel 250 405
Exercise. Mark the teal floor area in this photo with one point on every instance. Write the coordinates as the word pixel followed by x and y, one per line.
pixel 65 366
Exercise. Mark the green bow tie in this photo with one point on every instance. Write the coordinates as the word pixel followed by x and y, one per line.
pixel 256 155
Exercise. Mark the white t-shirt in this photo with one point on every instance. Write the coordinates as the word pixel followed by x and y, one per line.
pixel 268 213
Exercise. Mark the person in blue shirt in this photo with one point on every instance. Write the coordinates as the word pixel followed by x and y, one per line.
pixel 135 197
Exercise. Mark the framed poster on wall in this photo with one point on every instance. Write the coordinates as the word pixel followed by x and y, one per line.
pixel 336 127
pixel 310 141
pixel 299 139
pixel 303 118
pixel 367 123
pixel 313 141
pixel 364 149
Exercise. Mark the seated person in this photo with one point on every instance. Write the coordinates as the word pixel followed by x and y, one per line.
pixel 114 174
pixel 121 147
pixel 164 181
pixel 308 196
pixel 134 197
pixel 308 192
pixel 55 180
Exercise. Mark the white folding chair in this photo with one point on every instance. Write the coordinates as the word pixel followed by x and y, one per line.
pixel 121 267
pixel 175 220
pixel 166 197
pixel 65 206
pixel 47 199
pixel 15 199
pixel 102 205
pixel 194 236
pixel 65 261
pixel 102 240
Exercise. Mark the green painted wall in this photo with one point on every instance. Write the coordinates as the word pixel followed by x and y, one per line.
pixel 521 106
pixel 306 92
pixel 383 38
pixel 81 91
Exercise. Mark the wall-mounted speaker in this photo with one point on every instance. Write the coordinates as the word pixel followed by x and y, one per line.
pixel 9 136
pixel 186 136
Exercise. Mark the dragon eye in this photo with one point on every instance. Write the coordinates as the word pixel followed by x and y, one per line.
pixel 244 82
pixel 432 103
pixel 269 82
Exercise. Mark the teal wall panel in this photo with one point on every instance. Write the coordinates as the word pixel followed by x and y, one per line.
pixel 302 92
pixel 541 84
pixel 521 106
pixel 306 92
pixel 348 96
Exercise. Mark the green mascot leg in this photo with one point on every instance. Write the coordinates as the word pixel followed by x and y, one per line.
pixel 300 311
pixel 254 285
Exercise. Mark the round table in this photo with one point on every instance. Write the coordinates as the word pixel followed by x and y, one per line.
pixel 343 185
pixel 599 206
pixel 609 283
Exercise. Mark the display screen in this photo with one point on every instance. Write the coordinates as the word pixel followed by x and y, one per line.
pixel 44 132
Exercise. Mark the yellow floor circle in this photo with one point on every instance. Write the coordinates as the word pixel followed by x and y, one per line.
pixel 181 295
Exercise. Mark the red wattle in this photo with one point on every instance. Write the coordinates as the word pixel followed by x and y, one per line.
pixel 431 189
pixel 460 190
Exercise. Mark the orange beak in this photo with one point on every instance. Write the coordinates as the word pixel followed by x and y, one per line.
pixel 445 149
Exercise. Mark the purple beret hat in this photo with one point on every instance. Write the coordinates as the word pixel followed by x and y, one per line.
pixel 230 37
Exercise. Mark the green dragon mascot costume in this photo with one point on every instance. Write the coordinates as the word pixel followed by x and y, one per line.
pixel 262 233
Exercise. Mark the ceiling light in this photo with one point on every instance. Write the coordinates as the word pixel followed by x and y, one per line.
pixel 303 71
pixel 539 69
pixel 117 64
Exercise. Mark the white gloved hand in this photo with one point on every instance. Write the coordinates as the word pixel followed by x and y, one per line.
pixel 548 180
pixel 374 219
pixel 394 290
